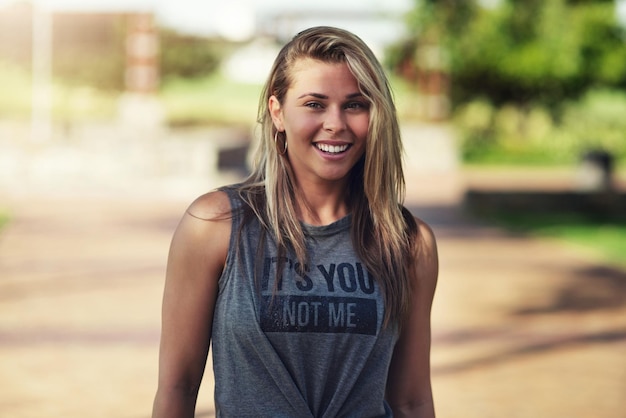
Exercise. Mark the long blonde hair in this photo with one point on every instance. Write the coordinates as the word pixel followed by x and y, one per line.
pixel 383 232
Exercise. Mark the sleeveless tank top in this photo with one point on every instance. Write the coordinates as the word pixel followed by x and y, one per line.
pixel 311 345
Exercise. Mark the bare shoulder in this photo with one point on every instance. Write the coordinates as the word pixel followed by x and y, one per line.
pixel 426 236
pixel 214 205
pixel 205 228
pixel 426 257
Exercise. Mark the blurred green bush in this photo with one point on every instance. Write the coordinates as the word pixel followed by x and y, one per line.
pixel 532 134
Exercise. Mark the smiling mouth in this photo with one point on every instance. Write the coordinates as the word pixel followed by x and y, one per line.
pixel 332 149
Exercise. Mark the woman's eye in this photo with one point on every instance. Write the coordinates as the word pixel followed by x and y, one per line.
pixel 313 105
pixel 357 106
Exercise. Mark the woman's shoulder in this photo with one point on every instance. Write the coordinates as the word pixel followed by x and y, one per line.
pixel 204 228
pixel 426 255
pixel 425 233
pixel 419 229
pixel 214 205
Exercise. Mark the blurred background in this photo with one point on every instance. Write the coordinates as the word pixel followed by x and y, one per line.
pixel 114 114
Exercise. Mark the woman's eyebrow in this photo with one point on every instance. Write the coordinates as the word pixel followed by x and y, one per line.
pixel 316 95
pixel 325 97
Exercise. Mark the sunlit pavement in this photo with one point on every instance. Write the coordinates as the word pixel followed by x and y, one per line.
pixel 521 327
pixel 525 328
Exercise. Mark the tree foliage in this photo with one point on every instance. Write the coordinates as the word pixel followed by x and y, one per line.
pixel 187 56
pixel 520 51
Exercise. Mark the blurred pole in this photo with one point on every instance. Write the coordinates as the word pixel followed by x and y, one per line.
pixel 433 81
pixel 41 116
pixel 142 55
pixel 139 105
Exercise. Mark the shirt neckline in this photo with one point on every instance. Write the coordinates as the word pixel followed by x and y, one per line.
pixel 331 228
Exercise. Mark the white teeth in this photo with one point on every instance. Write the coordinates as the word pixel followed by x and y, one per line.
pixel 333 149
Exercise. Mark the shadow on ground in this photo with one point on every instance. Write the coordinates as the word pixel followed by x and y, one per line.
pixel 595 287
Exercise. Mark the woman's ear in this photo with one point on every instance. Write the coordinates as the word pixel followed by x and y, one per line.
pixel 276 113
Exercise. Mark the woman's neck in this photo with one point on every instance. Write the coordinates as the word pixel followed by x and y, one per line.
pixel 322 203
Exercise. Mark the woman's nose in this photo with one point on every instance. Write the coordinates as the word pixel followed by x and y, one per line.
pixel 334 120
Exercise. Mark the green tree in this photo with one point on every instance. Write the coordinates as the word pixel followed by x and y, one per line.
pixel 521 51
pixel 187 56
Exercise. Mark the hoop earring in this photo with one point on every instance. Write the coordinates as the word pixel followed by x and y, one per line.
pixel 284 151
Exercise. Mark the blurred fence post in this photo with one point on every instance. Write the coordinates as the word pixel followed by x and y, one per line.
pixel 142 53
pixel 139 104
pixel 433 81
pixel 596 171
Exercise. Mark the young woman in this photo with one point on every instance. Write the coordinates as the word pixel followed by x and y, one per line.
pixel 310 279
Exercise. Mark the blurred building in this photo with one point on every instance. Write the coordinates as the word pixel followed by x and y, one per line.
pixel 377 26
pixel 114 49
pixel 16 21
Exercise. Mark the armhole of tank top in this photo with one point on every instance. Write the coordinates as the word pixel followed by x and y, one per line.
pixel 235 211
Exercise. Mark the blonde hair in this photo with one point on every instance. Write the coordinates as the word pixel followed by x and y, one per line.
pixel 383 232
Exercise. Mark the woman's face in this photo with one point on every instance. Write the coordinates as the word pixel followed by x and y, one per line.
pixel 325 118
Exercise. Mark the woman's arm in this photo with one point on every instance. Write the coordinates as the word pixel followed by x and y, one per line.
pixel 196 260
pixel 409 390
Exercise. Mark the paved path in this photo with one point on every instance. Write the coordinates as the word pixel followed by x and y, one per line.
pixel 522 328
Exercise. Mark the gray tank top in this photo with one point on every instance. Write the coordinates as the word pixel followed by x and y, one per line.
pixel 311 345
